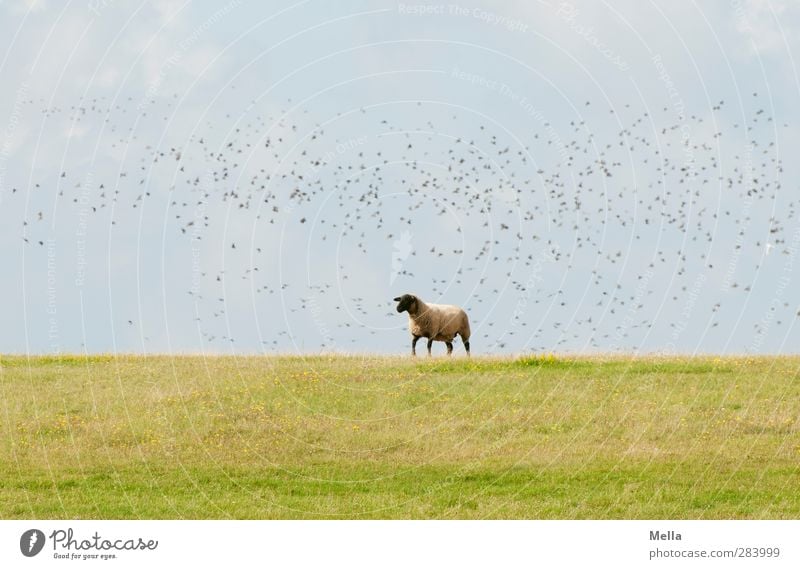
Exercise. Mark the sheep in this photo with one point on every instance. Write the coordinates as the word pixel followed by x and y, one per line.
pixel 440 322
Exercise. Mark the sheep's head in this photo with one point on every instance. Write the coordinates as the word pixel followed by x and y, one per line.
pixel 406 302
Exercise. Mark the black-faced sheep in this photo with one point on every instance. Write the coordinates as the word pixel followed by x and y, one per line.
pixel 439 322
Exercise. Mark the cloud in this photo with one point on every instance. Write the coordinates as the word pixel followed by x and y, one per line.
pixel 28 5
pixel 75 131
pixel 769 24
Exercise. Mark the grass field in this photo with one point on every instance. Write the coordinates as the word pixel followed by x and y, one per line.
pixel 384 437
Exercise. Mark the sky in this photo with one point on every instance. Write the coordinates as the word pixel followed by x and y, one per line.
pixel 251 177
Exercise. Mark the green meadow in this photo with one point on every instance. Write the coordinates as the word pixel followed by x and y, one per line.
pixel 174 437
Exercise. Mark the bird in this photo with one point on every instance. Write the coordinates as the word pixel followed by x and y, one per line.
pixel 608 229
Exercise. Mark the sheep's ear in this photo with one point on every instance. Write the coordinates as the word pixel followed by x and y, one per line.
pixel 397 299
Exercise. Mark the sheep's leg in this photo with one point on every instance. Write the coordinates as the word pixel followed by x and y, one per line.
pixel 414 345
pixel 466 345
pixel 430 343
pixel 449 348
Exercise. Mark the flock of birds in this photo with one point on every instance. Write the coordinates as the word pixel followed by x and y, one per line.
pixel 623 229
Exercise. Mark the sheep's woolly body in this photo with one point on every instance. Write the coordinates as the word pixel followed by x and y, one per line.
pixel 440 322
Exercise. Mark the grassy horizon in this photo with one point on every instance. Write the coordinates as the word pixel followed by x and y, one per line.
pixel 359 436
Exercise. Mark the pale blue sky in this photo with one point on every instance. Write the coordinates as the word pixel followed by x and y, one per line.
pixel 378 131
